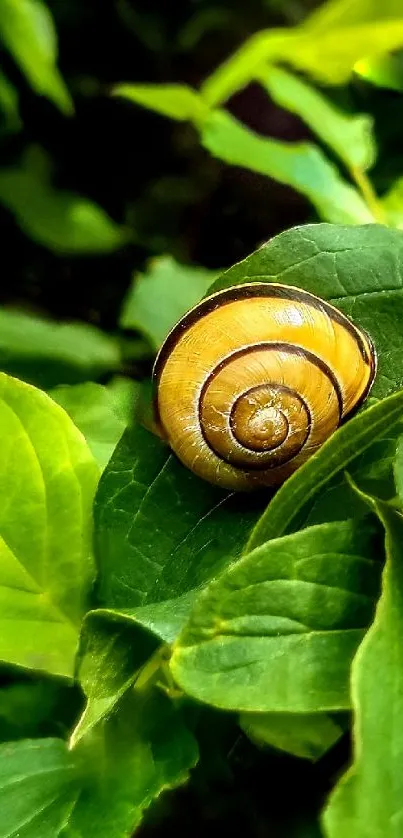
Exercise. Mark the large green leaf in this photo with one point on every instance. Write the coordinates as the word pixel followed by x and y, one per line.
pixel 277 631
pixel 178 101
pixel 367 803
pixel 47 482
pixel 159 530
pixel 350 136
pixel 103 787
pixel 338 452
pixel 59 220
pixel 46 353
pixel 159 298
pixel 300 165
pixel 358 269
pixel 27 30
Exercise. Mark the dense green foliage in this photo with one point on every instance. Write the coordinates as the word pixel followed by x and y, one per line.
pixel 156 631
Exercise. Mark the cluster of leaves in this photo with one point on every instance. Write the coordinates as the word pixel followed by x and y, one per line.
pixel 284 611
pixel 340 40
pixel 57 219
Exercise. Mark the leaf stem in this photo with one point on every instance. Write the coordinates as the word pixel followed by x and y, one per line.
pixel 368 193
pixel 152 666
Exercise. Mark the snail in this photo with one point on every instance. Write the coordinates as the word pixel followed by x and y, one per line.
pixel 253 379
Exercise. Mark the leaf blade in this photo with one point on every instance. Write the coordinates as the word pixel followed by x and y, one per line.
pixel 27 30
pixel 177 101
pixel 361 804
pixel 300 165
pixel 343 447
pixel 350 136
pixel 47 484
pixel 277 631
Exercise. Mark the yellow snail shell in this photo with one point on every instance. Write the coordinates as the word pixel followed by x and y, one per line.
pixel 252 381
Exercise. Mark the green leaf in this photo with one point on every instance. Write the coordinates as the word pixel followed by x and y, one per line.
pixel 103 787
pixel 330 55
pixel 382 71
pixel 59 220
pixel 27 31
pixel 94 411
pixel 327 45
pixel 364 804
pixel 392 203
pixel 358 269
pixel 177 101
pixel 46 353
pixel 164 532
pixel 277 631
pixel 300 165
pixel 336 500
pixel 159 530
pixel 165 619
pixel 307 736
pixel 114 652
pixel 47 483
pixel 339 13
pixel 125 393
pixel 350 137
pixel 342 448
pixel 110 657
pixel 159 298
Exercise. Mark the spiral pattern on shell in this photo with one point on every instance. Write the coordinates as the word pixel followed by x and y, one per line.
pixel 252 380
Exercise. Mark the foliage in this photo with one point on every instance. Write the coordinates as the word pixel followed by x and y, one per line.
pixel 202 595
pixel 330 55
pixel 157 631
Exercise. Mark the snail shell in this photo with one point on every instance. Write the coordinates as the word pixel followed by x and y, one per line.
pixel 254 379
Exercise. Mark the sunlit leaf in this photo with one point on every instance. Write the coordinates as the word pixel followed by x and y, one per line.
pixel 300 165
pixel 176 101
pixel 47 482
pixel 340 13
pixel 349 136
pixel 27 30
pixel 327 45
